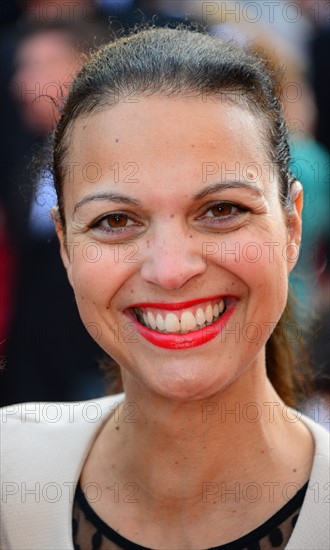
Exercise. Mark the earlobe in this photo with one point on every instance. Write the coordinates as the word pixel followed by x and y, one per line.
pixel 295 223
pixel 297 197
pixel 295 217
pixel 62 240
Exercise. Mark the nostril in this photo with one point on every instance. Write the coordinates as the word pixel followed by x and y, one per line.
pixel 171 269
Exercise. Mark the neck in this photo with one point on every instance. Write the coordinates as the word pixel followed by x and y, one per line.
pixel 240 434
pixel 192 467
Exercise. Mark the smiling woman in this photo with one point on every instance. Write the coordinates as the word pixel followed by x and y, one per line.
pixel 179 224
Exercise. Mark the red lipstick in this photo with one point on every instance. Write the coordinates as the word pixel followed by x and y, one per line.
pixel 183 341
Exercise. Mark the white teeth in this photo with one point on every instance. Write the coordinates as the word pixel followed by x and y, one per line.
pixel 209 313
pixel 160 322
pixel 188 321
pixel 200 317
pixel 172 323
pixel 151 320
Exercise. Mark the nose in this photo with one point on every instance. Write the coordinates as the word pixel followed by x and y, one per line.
pixel 173 258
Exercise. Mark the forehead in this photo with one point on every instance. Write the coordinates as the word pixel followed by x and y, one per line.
pixel 170 141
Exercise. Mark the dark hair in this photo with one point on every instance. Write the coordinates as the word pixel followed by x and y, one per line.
pixel 174 62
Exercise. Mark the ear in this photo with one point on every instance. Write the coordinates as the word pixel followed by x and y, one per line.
pixel 295 224
pixel 64 251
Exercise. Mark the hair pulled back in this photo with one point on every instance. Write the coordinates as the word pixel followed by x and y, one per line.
pixel 182 62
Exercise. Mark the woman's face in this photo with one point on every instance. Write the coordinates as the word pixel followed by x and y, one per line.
pixel 177 247
pixel 46 64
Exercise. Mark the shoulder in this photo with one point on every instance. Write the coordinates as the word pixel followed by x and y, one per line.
pixel 320 473
pixel 35 414
pixel 43 448
pixel 312 528
pixel 31 429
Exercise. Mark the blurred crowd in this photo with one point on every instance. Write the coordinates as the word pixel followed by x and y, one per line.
pixel 46 353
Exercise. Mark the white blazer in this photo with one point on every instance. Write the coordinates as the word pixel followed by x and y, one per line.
pixel 43 449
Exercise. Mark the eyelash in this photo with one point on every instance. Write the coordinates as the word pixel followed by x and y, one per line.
pixel 212 220
pixel 227 218
pixel 109 229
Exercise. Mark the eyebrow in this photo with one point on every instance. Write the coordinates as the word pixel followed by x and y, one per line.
pixel 230 185
pixel 113 197
pixel 124 199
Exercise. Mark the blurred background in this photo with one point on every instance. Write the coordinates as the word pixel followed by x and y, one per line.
pixel 45 352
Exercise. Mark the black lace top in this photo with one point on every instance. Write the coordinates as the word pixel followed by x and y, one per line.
pixel 91 533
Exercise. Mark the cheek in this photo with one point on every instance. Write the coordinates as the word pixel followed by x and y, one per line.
pixel 259 273
pixel 261 265
pixel 97 274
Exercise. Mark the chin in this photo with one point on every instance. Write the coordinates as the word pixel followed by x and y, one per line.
pixel 188 385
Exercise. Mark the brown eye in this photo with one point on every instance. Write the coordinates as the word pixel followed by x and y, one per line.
pixel 117 220
pixel 115 224
pixel 221 210
pixel 222 213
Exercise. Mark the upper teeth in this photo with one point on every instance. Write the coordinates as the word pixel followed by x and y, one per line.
pixel 186 321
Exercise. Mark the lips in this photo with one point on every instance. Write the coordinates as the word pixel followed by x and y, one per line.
pixel 182 325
